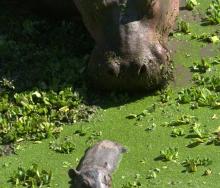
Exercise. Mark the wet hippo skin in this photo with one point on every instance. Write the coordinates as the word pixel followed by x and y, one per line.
pixel 131 42
pixel 97 165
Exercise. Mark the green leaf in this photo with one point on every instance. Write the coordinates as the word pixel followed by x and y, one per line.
pixel 131 116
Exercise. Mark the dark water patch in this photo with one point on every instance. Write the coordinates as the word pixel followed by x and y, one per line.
pixel 185 14
pixel 176 45
pixel 182 76
pixel 209 50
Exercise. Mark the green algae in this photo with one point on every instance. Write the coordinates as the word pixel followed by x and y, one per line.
pixel 143 146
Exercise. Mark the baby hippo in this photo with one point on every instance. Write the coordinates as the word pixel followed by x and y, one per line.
pixel 97 165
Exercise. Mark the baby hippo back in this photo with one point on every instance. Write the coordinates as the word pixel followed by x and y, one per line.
pixel 105 154
pixel 97 165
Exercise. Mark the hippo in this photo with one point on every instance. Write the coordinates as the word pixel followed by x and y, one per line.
pixel 131 42
pixel 97 165
pixel 131 38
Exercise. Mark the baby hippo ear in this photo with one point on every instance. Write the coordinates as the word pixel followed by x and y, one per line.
pixel 73 173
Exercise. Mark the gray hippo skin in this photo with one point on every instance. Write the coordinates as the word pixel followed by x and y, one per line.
pixel 131 39
pixel 97 165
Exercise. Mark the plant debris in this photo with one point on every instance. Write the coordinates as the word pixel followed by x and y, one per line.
pixel 192 164
pixel 169 154
pixel 213 12
pixel 37 115
pixel 32 177
pixel 191 4
pixel 67 145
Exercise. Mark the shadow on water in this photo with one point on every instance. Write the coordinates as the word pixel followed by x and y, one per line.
pixel 38 52
pixel 49 49
pixel 71 181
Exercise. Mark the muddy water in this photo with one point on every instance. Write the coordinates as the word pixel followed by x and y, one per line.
pixel 209 51
pixel 182 76
pixel 189 15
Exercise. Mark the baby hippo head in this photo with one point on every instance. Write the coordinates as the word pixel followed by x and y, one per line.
pixel 91 178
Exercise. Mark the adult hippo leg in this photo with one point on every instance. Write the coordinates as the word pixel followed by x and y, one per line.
pixel 131 37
